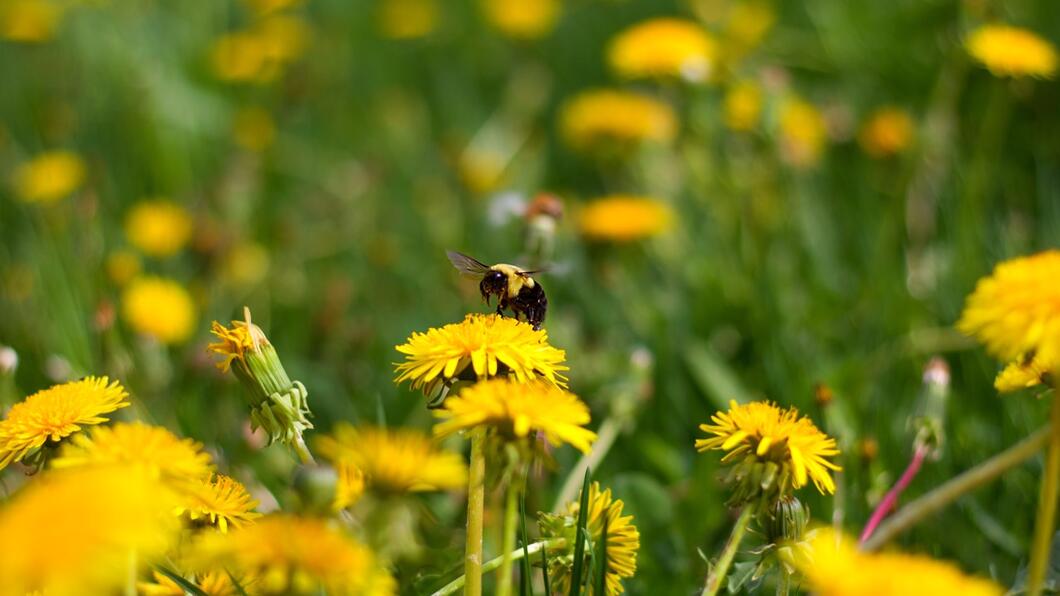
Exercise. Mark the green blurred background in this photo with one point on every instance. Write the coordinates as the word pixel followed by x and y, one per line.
pixel 325 181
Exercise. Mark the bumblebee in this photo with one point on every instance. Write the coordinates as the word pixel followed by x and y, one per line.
pixel 516 290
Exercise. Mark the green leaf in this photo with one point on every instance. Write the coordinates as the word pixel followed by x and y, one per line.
pixel 579 545
pixel 187 586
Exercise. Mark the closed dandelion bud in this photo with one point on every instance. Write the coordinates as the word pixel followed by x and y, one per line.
pixel 278 405
pixel 8 360
pixel 786 520
pixel 930 418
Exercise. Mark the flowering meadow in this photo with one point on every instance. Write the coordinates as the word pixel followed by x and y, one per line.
pixel 768 300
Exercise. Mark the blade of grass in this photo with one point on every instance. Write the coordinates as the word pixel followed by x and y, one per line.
pixel 579 532
pixel 235 584
pixel 544 572
pixel 178 579
pixel 524 565
pixel 601 559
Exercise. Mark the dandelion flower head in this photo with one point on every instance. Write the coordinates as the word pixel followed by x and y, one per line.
pixel 802 133
pixel 135 444
pixel 664 47
pixel 624 218
pixel 1008 51
pixel 221 502
pixel 49 177
pixel 743 106
pixel 158 227
pixel 888 131
pixel 522 19
pixel 1024 373
pixel 601 118
pixel 159 308
pixel 29 21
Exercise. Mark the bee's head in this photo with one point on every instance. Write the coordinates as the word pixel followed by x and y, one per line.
pixel 494 282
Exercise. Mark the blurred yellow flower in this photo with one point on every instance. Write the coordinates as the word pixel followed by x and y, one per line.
pixel 245 264
pixel 212 583
pixel 664 47
pixel 29 21
pixel 1023 374
pixel 155 449
pixel 601 118
pixel 220 502
pixel 253 128
pixel 762 433
pixel 57 412
pixel 514 410
pixel 835 567
pixel 490 345
pixel 75 532
pixel 158 227
pixel 295 556
pixel 241 57
pixel 262 7
pixel 887 132
pixel 747 24
pixel 49 177
pixel 522 19
pixel 623 540
pixel 349 486
pixel 1015 311
pixel 122 266
pixel 743 106
pixel 1008 51
pixel 159 308
pixel 802 133
pixel 393 460
pixel 407 19
pixel 622 218
pixel 284 38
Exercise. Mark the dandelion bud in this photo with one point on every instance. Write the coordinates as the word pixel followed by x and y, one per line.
pixel 278 405
pixel 786 520
pixel 931 409
pixel 823 395
pixel 8 360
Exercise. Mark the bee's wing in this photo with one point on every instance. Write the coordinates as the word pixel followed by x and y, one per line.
pixel 465 264
pixel 532 272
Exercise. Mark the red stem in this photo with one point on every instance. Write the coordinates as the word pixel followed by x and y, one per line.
pixel 891 498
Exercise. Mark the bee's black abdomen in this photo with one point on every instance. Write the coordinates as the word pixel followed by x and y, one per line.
pixel 532 302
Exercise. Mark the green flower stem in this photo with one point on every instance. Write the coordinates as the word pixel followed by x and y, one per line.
pixel 938 498
pixel 300 448
pixel 605 438
pixel 1045 522
pixel 783 582
pixel 511 519
pixel 721 568
pixel 476 498
pixel 517 554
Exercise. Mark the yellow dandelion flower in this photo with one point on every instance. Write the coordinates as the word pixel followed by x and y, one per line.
pixel 488 345
pixel 393 460
pixel 246 264
pixel 49 177
pixel 253 128
pixel 622 218
pixel 743 106
pixel 747 24
pixel 1023 374
pixel 1015 311
pixel 407 19
pixel 263 7
pixel 522 19
pixel 284 38
pixel 75 532
pixel 159 308
pixel 513 410
pixel 833 569
pixel 349 486
pixel 290 555
pixel 603 118
pixel 122 266
pixel 212 583
pixel 57 412
pixel 1008 51
pixel 664 47
pixel 623 540
pixel 219 501
pixel 888 131
pixel 235 342
pixel 241 57
pixel 159 228
pixel 802 133
pixel 135 444
pixel 788 447
pixel 29 21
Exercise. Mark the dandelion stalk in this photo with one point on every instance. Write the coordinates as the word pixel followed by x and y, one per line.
pixel 511 517
pixel 300 448
pixel 783 582
pixel 517 554
pixel 721 569
pixel 891 498
pixel 476 498
pixel 917 510
pixel 1046 519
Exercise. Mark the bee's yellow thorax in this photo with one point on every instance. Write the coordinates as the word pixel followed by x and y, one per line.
pixel 515 281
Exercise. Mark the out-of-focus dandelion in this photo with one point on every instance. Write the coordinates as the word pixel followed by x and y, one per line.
pixel 485 345
pixel 158 227
pixel 522 19
pixel 407 19
pixel 49 177
pixel 49 415
pixel 623 218
pixel 211 583
pixel 743 105
pixel 245 264
pixel 1008 51
pixel 155 449
pixel 393 460
pixel 264 7
pixel 802 133
pixel 1024 373
pixel 84 531
pixel 220 502
pixel 260 53
pixel 122 266
pixel 834 567
pixel 601 119
pixel 746 26
pixel 666 48
pixel 291 555
pixel 774 450
pixel 278 405
pixel 623 541
pixel 514 411
pixel 29 21
pixel 253 128
pixel 888 131
pixel 158 308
